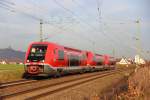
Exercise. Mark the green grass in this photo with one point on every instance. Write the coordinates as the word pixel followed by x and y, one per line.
pixel 10 72
pixel 11 67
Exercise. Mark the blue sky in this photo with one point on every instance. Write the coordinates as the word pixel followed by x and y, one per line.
pixel 76 23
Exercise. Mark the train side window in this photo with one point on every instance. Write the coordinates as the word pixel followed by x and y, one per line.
pixel 74 60
pixel 60 55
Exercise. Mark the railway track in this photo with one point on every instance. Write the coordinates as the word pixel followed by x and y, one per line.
pixel 18 82
pixel 51 88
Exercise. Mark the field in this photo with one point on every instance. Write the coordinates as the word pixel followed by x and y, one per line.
pixel 11 72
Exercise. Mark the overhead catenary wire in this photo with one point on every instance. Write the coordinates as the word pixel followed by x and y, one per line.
pixel 93 28
pixel 6 6
pixel 29 15
pixel 80 34
pixel 99 5
pixel 37 18
pixel 71 12
pixel 8 2
pixel 11 7
pixel 88 14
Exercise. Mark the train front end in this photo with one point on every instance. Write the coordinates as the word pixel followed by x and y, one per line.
pixel 35 59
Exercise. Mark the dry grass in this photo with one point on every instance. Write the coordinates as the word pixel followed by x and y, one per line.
pixel 129 66
pixel 138 85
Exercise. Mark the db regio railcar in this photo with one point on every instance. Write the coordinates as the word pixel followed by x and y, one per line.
pixel 48 59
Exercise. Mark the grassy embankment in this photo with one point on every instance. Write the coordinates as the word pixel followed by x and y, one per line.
pixel 10 72
pixel 134 87
pixel 138 85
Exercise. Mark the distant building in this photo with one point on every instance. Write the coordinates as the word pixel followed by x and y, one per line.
pixel 124 61
pixel 20 63
pixel 3 62
pixel 139 60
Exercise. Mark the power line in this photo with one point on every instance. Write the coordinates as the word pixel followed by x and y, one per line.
pixel 38 19
pixel 6 6
pixel 71 12
pixel 83 8
pixel 99 4
pixel 100 18
pixel 8 2
pixel 78 36
pixel 75 15
pixel 68 10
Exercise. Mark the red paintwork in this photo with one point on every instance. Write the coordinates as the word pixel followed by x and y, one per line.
pixel 90 59
pixel 109 60
pixel 106 61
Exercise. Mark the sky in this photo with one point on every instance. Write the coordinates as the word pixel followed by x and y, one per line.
pixel 78 24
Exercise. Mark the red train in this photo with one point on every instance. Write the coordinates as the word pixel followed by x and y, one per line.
pixel 46 58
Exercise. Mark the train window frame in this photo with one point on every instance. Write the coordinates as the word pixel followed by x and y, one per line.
pixel 61 56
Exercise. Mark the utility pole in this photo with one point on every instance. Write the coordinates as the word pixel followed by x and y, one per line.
pixel 138 43
pixel 138 38
pixel 41 31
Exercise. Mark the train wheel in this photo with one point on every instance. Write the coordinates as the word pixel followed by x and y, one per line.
pixel 57 75
pixel 81 71
pixel 92 69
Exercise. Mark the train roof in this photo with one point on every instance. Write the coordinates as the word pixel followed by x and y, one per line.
pixel 72 49
pixel 43 43
pixel 98 55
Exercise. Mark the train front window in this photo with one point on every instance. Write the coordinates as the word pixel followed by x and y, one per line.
pixel 37 53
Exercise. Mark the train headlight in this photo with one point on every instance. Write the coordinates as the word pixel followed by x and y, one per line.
pixel 27 60
pixel 42 60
